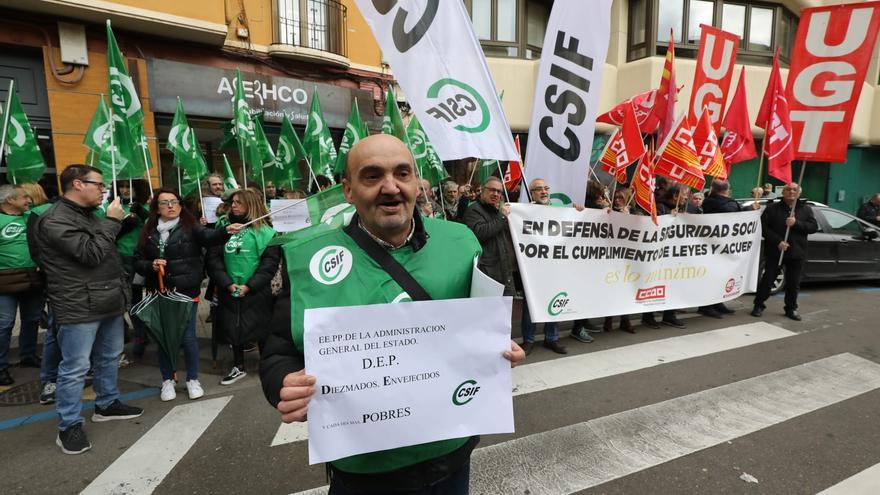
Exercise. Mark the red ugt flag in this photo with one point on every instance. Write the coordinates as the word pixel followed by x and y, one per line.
pixel 514 170
pixel 738 144
pixel 642 104
pixel 624 147
pixel 774 117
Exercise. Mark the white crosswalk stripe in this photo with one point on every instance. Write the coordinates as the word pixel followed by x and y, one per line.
pixel 583 455
pixel 555 373
pixel 866 482
pixel 140 469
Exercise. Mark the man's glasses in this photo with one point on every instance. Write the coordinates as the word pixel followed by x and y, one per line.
pixel 493 190
pixel 95 182
pixel 536 189
pixel 169 202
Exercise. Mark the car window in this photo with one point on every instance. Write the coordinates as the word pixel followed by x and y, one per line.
pixel 841 223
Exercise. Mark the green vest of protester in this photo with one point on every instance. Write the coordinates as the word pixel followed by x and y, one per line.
pixel 13 242
pixel 242 252
pixel 39 209
pixel 443 267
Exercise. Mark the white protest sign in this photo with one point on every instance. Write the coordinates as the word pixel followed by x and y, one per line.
pixel 291 219
pixel 393 375
pixel 598 263
pixel 209 208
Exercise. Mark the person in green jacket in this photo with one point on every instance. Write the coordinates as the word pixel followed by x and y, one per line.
pixel 21 289
pixel 380 181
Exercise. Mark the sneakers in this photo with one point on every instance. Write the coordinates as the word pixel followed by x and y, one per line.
pixel 672 321
pixel 581 334
pixel 168 393
pixel 194 389
pixel 123 361
pixel 116 410
pixel 47 395
pixel 73 440
pixel 6 378
pixel 234 375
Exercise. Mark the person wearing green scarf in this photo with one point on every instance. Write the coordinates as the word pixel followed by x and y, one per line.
pixel 242 270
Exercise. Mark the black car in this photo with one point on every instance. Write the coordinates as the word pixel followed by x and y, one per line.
pixel 844 248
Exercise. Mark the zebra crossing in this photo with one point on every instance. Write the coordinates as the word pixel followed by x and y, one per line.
pixel 584 454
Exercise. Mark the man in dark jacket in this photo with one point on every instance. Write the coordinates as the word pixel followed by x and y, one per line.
pixel 487 218
pixel 775 221
pixel 870 210
pixel 77 253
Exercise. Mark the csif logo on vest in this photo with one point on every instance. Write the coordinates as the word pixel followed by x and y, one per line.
pixel 465 392
pixel 12 230
pixel 330 265
pixel 559 304
pixel 460 104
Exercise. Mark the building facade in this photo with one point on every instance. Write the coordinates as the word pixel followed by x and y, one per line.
pixel 288 48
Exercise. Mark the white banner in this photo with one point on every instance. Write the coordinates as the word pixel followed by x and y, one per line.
pixel 598 263
pixel 439 63
pixel 399 374
pixel 567 96
pixel 209 208
pixel 289 220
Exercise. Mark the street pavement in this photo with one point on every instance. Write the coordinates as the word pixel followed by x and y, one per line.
pixel 730 406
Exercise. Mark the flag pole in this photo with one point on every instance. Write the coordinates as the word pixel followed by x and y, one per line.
pixel 761 158
pixel 442 201
pixel 243 162
pixel 419 174
pixel 263 182
pixel 498 164
pixel 6 117
pixel 523 180
pixel 279 210
pixel 791 215
pixel 112 147
pixel 147 163
pixel 474 171
pixel 312 175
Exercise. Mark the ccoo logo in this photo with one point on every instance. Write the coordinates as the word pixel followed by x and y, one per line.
pixel 465 392
pixel 460 104
pixel 558 304
pixel 12 230
pixel 331 265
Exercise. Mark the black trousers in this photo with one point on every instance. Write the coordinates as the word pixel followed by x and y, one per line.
pixel 793 270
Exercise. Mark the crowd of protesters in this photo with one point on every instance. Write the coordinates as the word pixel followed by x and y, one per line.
pixel 80 262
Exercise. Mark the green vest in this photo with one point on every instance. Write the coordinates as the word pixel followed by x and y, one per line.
pixel 39 209
pixel 13 242
pixel 242 252
pixel 126 244
pixel 329 269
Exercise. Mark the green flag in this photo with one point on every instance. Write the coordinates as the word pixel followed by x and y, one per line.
pixel 229 182
pixel 263 167
pixel 318 142
pixel 355 130
pixel 392 122
pixel 243 126
pixel 24 162
pixel 128 130
pixel 328 210
pixel 319 204
pixel 487 169
pixel 290 153
pixel 429 164
pixel 100 141
pixel 183 143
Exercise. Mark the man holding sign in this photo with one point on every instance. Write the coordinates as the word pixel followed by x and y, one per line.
pixel 437 256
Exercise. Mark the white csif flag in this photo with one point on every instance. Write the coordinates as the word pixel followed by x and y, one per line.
pixel 567 96
pixel 439 63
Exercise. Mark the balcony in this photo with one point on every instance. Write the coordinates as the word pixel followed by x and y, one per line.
pixel 312 31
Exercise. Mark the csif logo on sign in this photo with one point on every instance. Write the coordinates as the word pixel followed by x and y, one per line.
pixel 559 304
pixel 403 39
pixel 12 230
pixel 465 392
pixel 331 265
pixel 459 103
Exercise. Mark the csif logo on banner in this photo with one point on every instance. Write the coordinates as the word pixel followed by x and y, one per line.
pixel 465 392
pixel 403 39
pixel 461 104
pixel 12 230
pixel 331 265
pixel 558 304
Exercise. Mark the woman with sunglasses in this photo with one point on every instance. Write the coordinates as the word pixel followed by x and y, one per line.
pixel 172 240
pixel 243 270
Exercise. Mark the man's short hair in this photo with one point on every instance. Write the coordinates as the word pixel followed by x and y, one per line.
pixel 532 183
pixel 450 184
pixel 208 178
pixel 491 179
pixel 719 186
pixel 74 172
pixel 8 191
